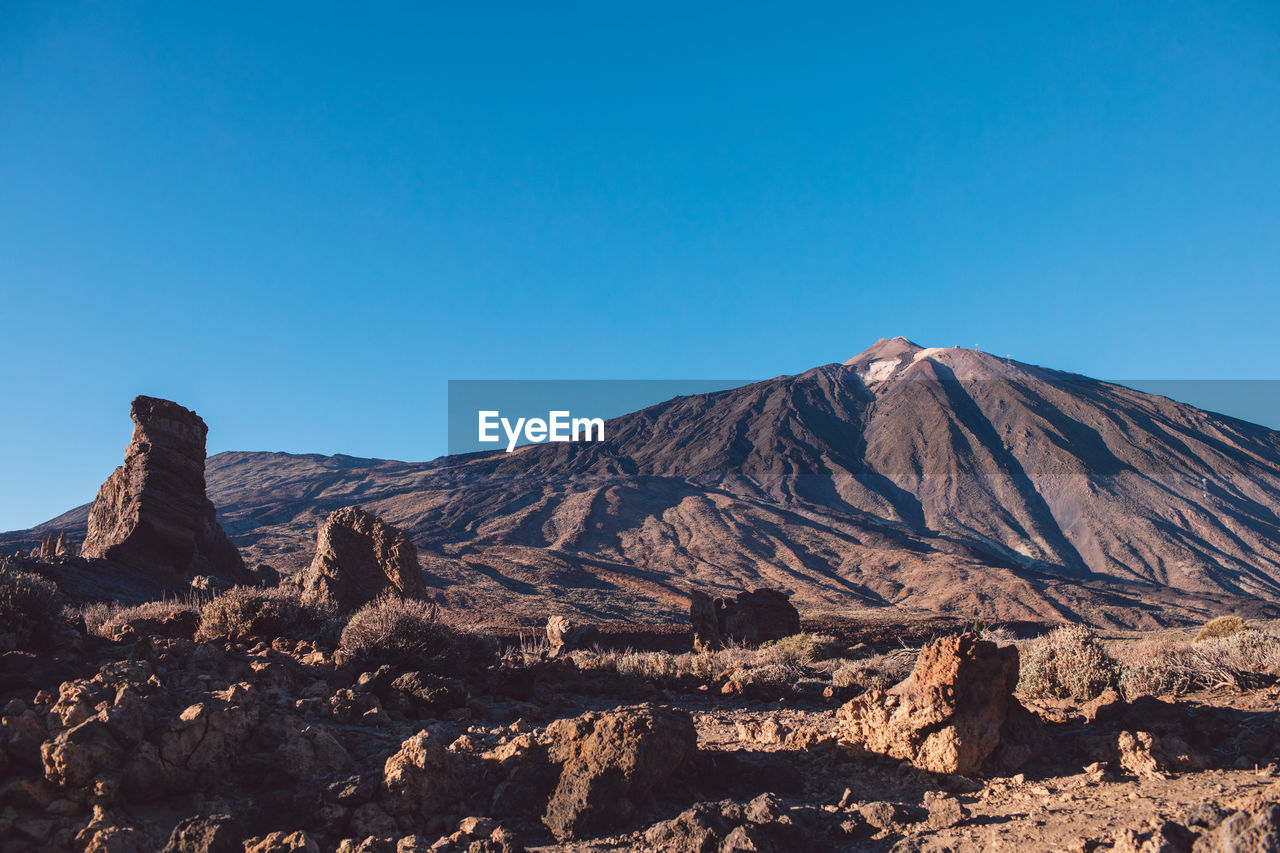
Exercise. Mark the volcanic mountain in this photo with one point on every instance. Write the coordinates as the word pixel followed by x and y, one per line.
pixel 941 480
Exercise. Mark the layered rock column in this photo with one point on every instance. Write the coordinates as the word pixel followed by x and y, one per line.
pixel 152 513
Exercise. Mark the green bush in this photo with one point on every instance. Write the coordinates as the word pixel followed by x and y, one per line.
pixel 1223 626
pixel 1069 663
pixel 245 612
pixel 406 632
pixel 30 606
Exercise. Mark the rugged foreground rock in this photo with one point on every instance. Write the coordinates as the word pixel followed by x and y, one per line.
pixel 151 740
pixel 152 513
pixel 954 714
pixel 359 557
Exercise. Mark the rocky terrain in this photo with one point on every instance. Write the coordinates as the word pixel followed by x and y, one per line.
pixel 254 723
pixel 924 480
pixel 158 693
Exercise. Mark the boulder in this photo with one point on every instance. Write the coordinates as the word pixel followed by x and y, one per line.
pixel 950 714
pixel 152 513
pixel 1256 828
pixel 611 763
pixel 565 636
pixel 205 834
pixel 359 557
pixel 753 618
pixel 422 779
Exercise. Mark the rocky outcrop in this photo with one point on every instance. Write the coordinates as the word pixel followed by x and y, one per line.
pixel 152 513
pixel 953 714
pixel 359 557
pixel 752 618
pixel 612 762
pixel 55 546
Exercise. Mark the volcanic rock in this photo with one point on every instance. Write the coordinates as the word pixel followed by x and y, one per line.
pixel 422 778
pixel 566 636
pixel 359 557
pixel 152 513
pixel 612 762
pixel 753 618
pixel 950 714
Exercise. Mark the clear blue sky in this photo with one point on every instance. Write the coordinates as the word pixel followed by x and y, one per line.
pixel 303 220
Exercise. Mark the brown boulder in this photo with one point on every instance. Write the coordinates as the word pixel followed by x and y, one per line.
pixel 612 762
pixel 564 635
pixel 152 513
pixel 422 779
pixel 359 557
pixel 950 714
pixel 752 618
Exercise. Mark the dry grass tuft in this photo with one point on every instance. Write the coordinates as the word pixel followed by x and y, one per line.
pixel 878 672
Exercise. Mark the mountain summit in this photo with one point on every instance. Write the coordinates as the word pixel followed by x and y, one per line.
pixel 940 479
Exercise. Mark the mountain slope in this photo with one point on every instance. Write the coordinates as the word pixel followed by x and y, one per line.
pixel 940 479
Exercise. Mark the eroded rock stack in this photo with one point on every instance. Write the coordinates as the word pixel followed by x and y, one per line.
pixel 752 618
pixel 359 557
pixel 955 713
pixel 152 513
pixel 54 546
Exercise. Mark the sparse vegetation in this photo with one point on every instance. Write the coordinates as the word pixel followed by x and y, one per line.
pixel 1242 660
pixel 30 606
pixel 802 648
pixel 1069 663
pixel 407 632
pixel 105 619
pixel 877 672
pixel 243 612
pixel 1223 626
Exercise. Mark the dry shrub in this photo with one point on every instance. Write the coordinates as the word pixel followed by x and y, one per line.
pixel 766 678
pixel 1223 626
pixel 244 612
pixel 800 649
pixel 105 619
pixel 1068 663
pixel 96 614
pixel 1244 660
pixel 1151 668
pixel 30 606
pixel 405 632
pixel 878 672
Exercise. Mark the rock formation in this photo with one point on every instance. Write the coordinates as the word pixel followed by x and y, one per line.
pixel 951 714
pixel 612 762
pixel 359 557
pixel 152 513
pixel 753 618
pixel 564 635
